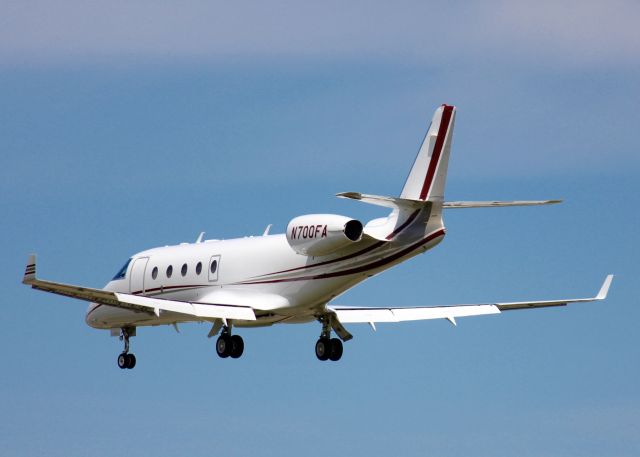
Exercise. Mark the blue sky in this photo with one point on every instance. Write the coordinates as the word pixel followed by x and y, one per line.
pixel 128 126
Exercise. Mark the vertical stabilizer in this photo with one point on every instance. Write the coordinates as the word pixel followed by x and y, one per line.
pixel 429 172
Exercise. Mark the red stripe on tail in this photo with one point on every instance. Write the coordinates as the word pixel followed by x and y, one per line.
pixel 437 151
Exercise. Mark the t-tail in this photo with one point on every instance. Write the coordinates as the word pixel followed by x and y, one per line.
pixel 420 202
pixel 422 198
pixel 428 175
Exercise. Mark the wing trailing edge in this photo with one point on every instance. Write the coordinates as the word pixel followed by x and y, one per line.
pixel 373 315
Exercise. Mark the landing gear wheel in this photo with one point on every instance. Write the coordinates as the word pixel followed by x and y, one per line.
pixel 336 349
pixel 237 346
pixel 131 361
pixel 224 346
pixel 122 361
pixel 126 361
pixel 323 348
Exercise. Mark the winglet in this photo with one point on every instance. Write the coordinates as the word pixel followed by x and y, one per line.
pixel 30 270
pixel 604 290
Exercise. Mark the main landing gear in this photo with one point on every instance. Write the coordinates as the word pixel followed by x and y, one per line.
pixel 328 348
pixel 229 345
pixel 126 360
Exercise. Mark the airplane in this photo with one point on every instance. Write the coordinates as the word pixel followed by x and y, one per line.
pixel 292 278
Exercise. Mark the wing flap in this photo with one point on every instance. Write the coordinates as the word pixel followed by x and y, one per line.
pixel 202 310
pixel 376 315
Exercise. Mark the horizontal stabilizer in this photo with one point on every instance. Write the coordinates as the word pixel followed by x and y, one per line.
pixel 497 204
pixel 388 202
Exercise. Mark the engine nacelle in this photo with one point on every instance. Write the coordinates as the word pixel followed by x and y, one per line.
pixel 322 234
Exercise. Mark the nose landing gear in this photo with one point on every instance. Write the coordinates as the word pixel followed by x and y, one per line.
pixel 126 360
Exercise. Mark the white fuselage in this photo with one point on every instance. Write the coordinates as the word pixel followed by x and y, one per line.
pixel 282 285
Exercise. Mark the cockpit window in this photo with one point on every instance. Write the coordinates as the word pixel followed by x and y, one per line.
pixel 122 272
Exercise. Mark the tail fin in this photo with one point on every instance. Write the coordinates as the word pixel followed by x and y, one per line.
pixel 429 172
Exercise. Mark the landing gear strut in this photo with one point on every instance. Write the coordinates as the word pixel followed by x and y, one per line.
pixel 126 360
pixel 229 345
pixel 328 348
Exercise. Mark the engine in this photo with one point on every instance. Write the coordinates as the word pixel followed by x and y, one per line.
pixel 322 234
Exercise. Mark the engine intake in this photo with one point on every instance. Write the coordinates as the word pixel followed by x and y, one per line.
pixel 322 234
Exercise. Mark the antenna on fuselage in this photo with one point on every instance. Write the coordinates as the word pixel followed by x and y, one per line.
pixel 266 231
pixel 200 238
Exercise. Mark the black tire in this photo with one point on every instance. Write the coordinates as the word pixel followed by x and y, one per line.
pixel 336 349
pixel 323 349
pixel 122 361
pixel 224 346
pixel 131 361
pixel 237 346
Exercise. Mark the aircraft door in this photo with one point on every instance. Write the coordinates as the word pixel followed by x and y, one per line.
pixel 136 281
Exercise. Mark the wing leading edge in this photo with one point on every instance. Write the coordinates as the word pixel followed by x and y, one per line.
pixel 137 302
pixel 373 315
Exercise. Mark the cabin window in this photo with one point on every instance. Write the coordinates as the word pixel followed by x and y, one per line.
pixel 214 267
pixel 184 270
pixel 154 273
pixel 199 268
pixel 169 271
pixel 123 271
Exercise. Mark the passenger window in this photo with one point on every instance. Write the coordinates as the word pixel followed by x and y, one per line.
pixel 154 273
pixel 184 270
pixel 169 271
pixel 214 268
pixel 199 268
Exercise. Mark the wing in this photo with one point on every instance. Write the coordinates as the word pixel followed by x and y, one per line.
pixel 372 315
pixel 137 302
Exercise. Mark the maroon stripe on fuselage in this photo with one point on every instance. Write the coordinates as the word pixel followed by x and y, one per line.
pixel 356 270
pixel 404 225
pixel 168 288
pixel 327 262
pixel 437 151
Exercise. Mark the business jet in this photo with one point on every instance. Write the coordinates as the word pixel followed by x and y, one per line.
pixel 295 277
